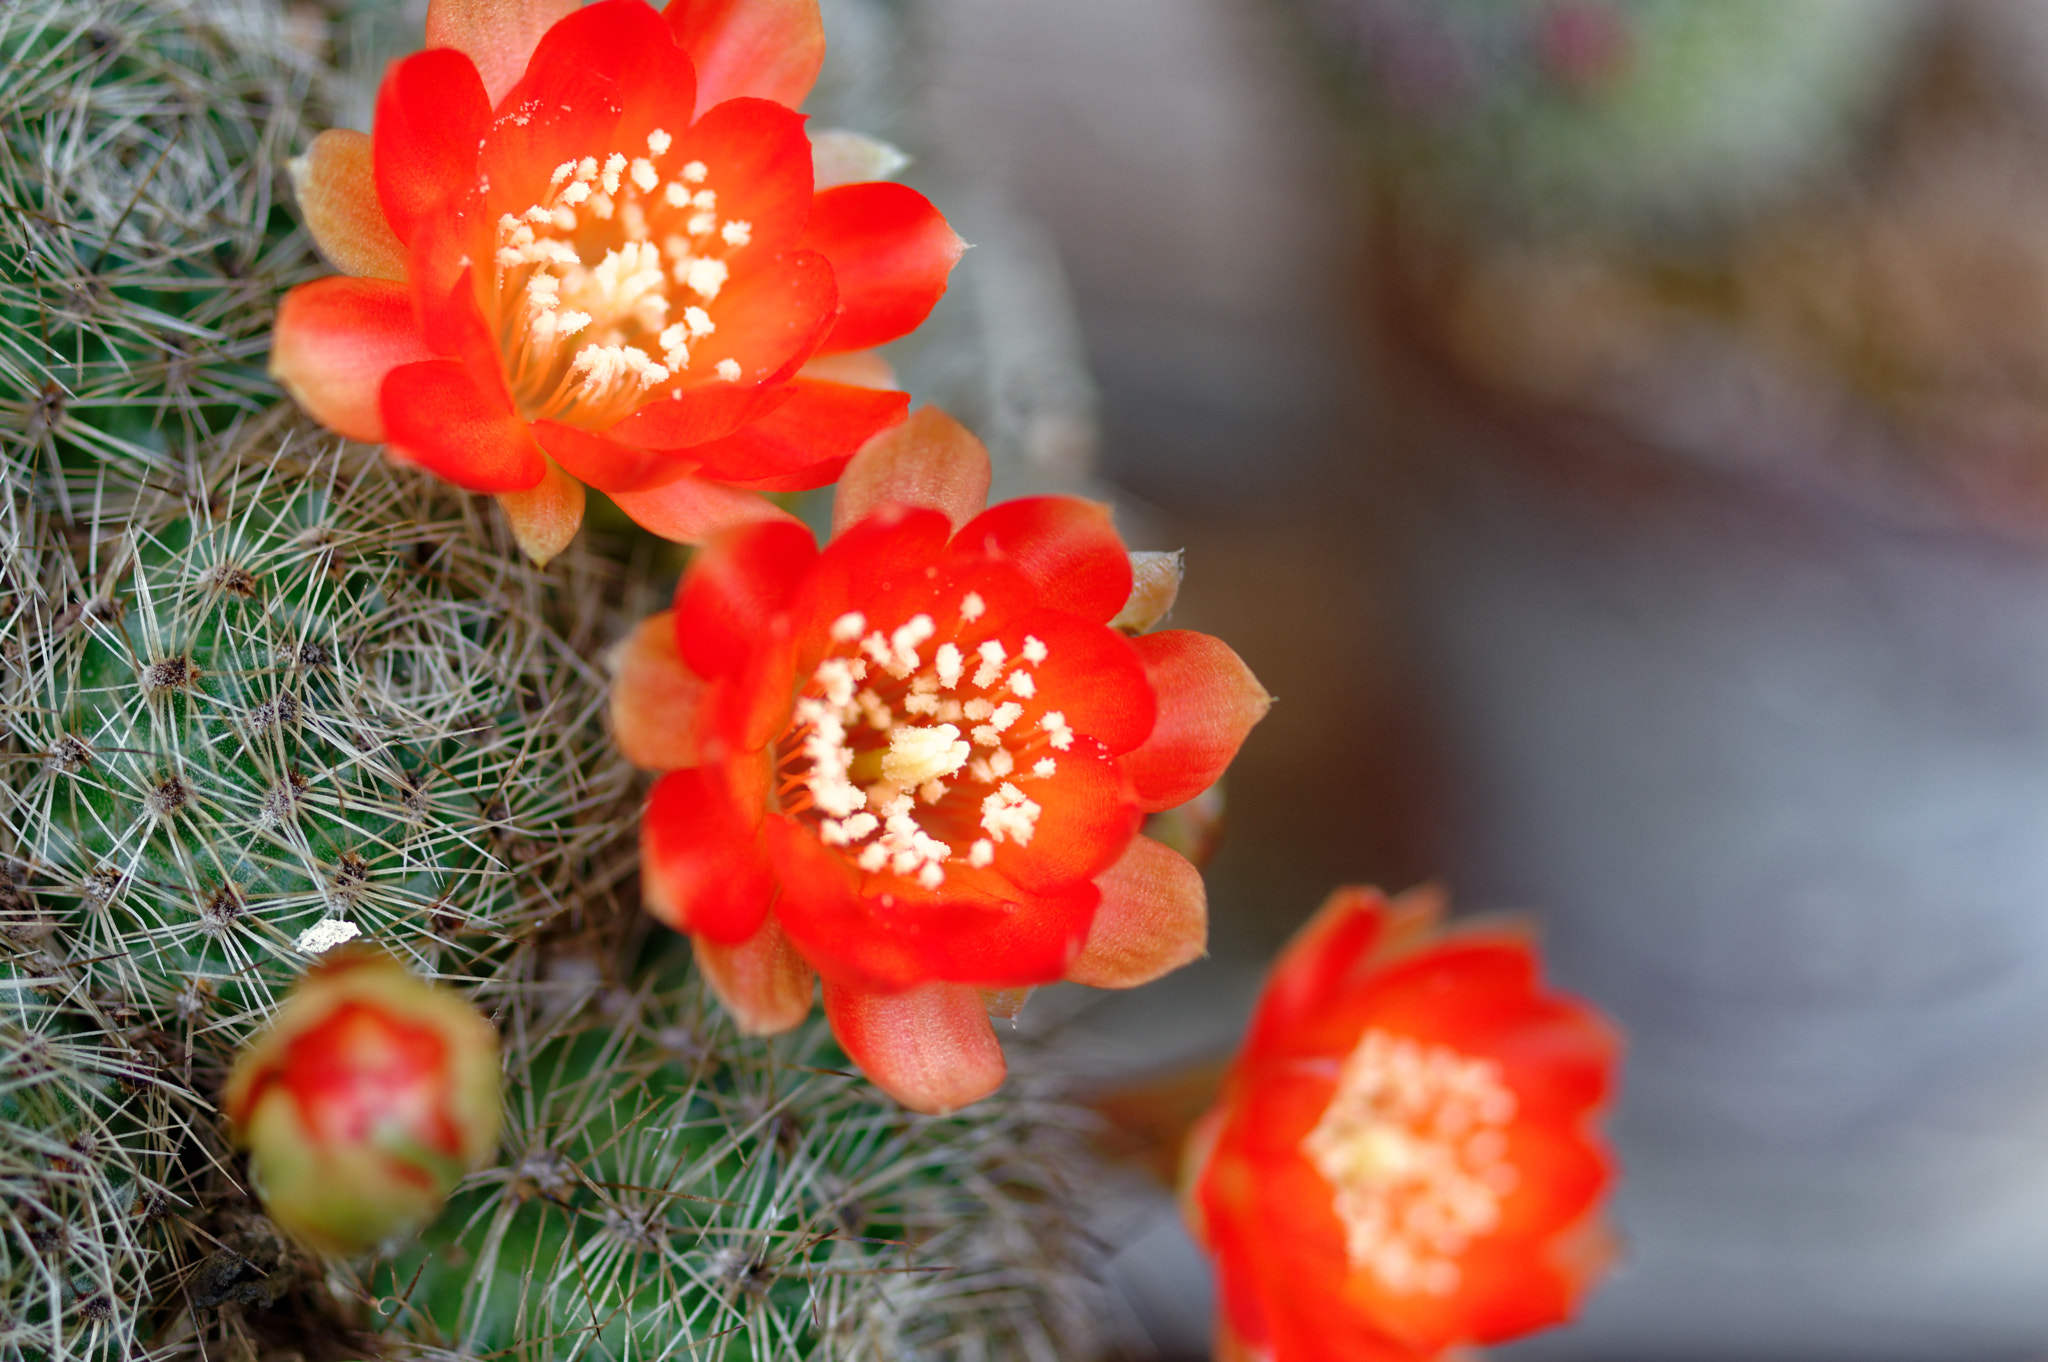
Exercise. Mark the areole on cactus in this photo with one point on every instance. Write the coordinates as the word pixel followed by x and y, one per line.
pixel 588 246
pixel 915 763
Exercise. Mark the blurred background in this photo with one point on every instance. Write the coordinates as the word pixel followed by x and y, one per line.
pixel 1616 431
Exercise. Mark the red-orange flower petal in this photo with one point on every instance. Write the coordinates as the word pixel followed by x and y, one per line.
pixel 691 510
pixel 737 583
pixel 1153 918
pixel 1208 702
pixel 769 49
pixel 497 35
pixel 892 933
pixel 892 253
pixel 602 78
pixel 624 274
pixel 336 340
pixel 762 164
pixel 928 735
pixel 770 322
pixel 654 697
pixel 806 441
pixel 604 462
pixel 669 431
pixel 1402 1161
pixel 546 516
pixel 337 189
pixel 1069 548
pixel 931 1048
pixel 762 981
pixel 435 416
pixel 701 870
pixel 930 460
pixel 431 116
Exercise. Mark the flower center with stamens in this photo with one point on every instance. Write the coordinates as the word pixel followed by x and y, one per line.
pixel 606 288
pixel 1415 1144
pixel 906 754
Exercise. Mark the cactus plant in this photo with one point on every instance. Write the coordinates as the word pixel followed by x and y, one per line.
pixel 146 235
pixel 262 692
pixel 327 694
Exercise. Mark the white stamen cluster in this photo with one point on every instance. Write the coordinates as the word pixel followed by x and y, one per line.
pixel 1415 1144
pixel 618 309
pixel 943 728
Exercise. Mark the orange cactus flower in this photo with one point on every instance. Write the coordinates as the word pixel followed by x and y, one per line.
pixel 1402 1162
pixel 588 246
pixel 364 1103
pixel 915 763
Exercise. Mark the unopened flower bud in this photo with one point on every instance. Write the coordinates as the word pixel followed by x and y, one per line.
pixel 369 1097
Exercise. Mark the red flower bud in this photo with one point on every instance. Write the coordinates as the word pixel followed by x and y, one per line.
pixel 369 1097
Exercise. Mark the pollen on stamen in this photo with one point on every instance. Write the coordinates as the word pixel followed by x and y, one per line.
pixel 950 665
pixel 1054 724
pixel 643 174
pixel 674 346
pixel 737 232
pixel 676 194
pixel 1043 768
pixel 848 626
pixel 705 198
pixel 919 755
pixel 903 644
pixel 874 711
pixel 1010 815
pixel 729 370
pixel 575 194
pixel 706 277
pixel 695 172
pixel 1022 686
pixel 586 169
pixel 972 606
pixel 659 142
pixel 981 853
pixel 700 322
pixel 992 659
pixel 1001 763
pixel 614 166
pixel 562 173
pixel 1035 650
pixel 978 709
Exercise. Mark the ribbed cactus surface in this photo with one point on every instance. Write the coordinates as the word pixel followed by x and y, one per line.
pixel 144 234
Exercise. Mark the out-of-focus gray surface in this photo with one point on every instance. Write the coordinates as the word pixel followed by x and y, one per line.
pixel 1775 769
